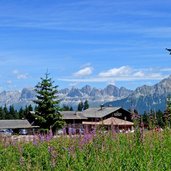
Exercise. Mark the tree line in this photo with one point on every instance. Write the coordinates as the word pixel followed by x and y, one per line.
pixel 24 113
pixel 150 119
pixel 153 119
pixel 11 113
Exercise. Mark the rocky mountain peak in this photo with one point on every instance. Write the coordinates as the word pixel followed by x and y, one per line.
pixel 74 92
pixel 86 89
pixel 123 92
pixel 147 97
pixel 111 90
pixel 27 93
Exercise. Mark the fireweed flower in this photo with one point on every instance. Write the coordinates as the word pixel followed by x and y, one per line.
pixel 51 150
pixel 49 136
pixel 86 139
pixel 50 133
pixel 53 155
pixel 41 137
pixel 64 131
pixel 35 142
pixel 67 150
pixel 20 149
pixel 71 150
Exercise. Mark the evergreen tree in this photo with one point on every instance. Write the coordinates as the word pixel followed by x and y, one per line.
pixel 47 111
pixel 65 108
pixel 5 109
pixel 2 113
pixel 7 113
pixel 86 105
pixel 21 113
pixel 27 113
pixel 13 114
pixel 159 116
pixel 30 108
pixel 35 108
pixel 145 118
pixel 71 109
pixel 80 106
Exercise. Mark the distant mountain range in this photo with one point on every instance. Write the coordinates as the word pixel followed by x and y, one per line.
pixel 95 96
pixel 17 98
pixel 67 96
pixel 143 98
pixel 146 98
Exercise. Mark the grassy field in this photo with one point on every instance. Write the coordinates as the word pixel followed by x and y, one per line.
pixel 92 152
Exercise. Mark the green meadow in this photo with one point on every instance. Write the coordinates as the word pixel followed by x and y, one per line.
pixel 150 151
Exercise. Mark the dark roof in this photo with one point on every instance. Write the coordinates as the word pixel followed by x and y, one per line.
pixel 72 115
pixel 99 112
pixel 14 124
pixel 69 115
pixel 89 113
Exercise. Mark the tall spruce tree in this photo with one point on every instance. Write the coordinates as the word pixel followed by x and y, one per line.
pixel 2 113
pixel 80 106
pixel 86 105
pixel 13 113
pixel 47 111
pixel 21 113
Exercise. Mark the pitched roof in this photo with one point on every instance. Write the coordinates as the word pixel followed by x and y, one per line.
pixel 99 112
pixel 115 121
pixel 72 115
pixel 14 124
pixel 110 121
pixel 69 115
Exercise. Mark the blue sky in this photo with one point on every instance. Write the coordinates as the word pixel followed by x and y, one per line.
pixel 95 42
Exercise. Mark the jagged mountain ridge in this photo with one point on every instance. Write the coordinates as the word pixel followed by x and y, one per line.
pixel 67 96
pixel 17 98
pixel 143 98
pixel 87 90
pixel 146 98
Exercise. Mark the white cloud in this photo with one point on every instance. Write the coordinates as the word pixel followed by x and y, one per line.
pixel 20 75
pixel 85 80
pixel 166 69
pixel 84 72
pixel 110 80
pixel 121 71
pixel 127 73
pixel 139 74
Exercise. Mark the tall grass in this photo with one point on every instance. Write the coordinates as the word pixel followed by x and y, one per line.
pixel 96 152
